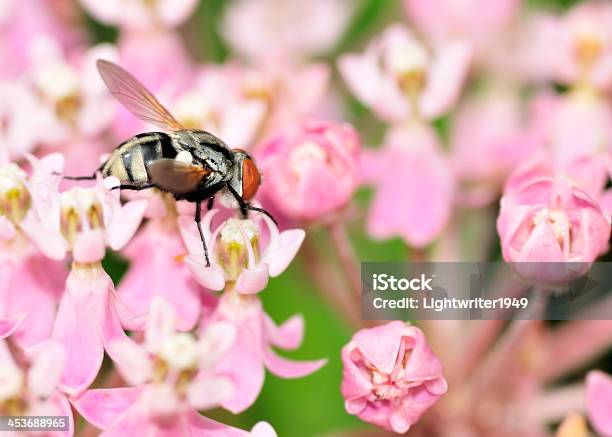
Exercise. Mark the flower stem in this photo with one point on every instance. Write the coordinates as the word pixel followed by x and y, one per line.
pixel 346 256
pixel 330 285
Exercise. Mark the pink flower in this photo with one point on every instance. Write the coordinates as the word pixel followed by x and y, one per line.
pixel 599 402
pixel 311 169
pixel 251 352
pixel 391 377
pixel 70 92
pixel 476 21
pixel 89 219
pixel 89 318
pixel 584 45
pixel 574 49
pixel 238 252
pixel 28 383
pixel 255 27
pixel 414 186
pixel 397 77
pixel 549 221
pixel 173 377
pixel 141 14
pixel 30 283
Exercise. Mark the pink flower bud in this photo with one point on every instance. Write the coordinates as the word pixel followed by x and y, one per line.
pixel 391 376
pixel 311 169
pixel 550 221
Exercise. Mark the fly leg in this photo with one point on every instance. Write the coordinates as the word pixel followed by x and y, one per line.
pixel 246 207
pixel 211 202
pixel 80 178
pixel 76 178
pixel 198 218
pixel 133 187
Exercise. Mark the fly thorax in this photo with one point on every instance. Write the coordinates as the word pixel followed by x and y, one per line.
pixel 81 210
pixel 59 85
pixel 237 243
pixel 15 199
pixel 194 112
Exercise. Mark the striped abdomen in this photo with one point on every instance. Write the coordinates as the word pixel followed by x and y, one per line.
pixel 130 160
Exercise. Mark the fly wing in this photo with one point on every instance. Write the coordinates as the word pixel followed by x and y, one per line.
pixel 176 176
pixel 135 96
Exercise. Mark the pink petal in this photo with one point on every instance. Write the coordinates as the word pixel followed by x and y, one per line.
pixel 46 369
pixel 125 223
pixel 200 426
pixel 7 229
pixel 63 409
pixel 253 280
pixel 44 279
pixel 8 325
pixel 445 79
pixel 362 75
pixel 89 246
pixel 103 407
pixel 355 385
pixel 212 277
pixel 206 393
pixel 216 338
pixel 135 421
pixel 50 243
pixel 415 163
pixel 380 345
pixel 247 378
pixel 248 116
pixel 190 234
pixel 132 361
pixel 542 246
pixel 76 328
pixel 263 429
pixel 599 402
pixel 279 258
pixel 161 323
pixel 286 368
pixel 158 269
pixel 289 335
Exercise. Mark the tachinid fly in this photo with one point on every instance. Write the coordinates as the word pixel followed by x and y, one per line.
pixel 191 164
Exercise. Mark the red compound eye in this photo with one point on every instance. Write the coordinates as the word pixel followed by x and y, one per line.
pixel 250 179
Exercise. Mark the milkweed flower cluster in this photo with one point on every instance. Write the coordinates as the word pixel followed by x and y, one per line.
pixel 460 130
